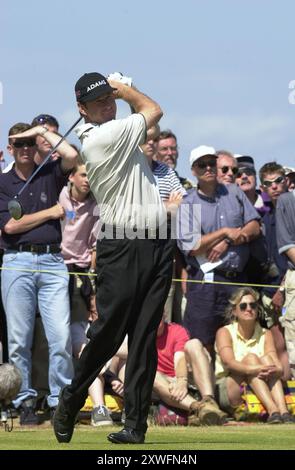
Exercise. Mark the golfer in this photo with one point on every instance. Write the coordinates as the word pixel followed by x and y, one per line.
pixel 134 262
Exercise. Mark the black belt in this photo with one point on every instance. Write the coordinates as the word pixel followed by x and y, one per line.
pixel 227 274
pixel 39 249
pixel 116 232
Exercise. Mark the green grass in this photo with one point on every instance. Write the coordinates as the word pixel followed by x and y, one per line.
pixel 254 436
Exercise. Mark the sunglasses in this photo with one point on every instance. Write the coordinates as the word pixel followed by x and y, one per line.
pixel 225 169
pixel 269 183
pixel 45 119
pixel 24 143
pixel 246 171
pixel 204 165
pixel 243 305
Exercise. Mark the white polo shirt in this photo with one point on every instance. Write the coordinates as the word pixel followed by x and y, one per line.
pixel 119 175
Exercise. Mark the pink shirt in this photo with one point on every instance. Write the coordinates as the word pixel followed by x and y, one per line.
pixel 79 228
pixel 171 341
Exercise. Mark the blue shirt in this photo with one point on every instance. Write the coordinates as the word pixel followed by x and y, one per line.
pixel 285 224
pixel 42 193
pixel 229 207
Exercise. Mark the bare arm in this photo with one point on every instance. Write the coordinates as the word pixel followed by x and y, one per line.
pixel 291 254
pixel 209 240
pixel 270 350
pixel 30 221
pixel 249 232
pixel 139 102
pixel 66 151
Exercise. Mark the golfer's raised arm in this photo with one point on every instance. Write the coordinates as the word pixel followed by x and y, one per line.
pixel 141 103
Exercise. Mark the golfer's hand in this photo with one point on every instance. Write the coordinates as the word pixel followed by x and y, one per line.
pixel 121 89
pixel 57 211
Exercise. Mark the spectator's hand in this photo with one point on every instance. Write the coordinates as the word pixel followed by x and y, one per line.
pixel 241 239
pixel 92 313
pixel 217 251
pixel 233 234
pixel 265 372
pixel 278 300
pixel 178 390
pixel 117 387
pixel 57 212
pixel 173 202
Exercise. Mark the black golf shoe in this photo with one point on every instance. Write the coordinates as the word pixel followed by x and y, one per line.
pixel 127 436
pixel 63 423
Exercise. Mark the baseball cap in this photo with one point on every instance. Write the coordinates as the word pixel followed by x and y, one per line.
pixel 90 86
pixel 201 151
pixel 245 161
pixel 45 119
pixel 288 170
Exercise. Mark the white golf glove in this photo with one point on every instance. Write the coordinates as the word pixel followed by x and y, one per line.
pixel 119 77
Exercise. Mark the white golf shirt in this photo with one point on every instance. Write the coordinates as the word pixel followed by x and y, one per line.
pixel 119 175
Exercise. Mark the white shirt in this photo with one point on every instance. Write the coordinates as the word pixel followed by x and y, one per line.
pixel 119 175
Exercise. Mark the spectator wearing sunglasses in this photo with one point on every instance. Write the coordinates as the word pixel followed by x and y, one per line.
pixel 33 243
pixel 246 180
pixel 245 353
pixel 43 146
pixel 273 182
pixel 227 167
pixel 228 223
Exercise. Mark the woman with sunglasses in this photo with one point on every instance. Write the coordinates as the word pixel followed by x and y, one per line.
pixel 245 353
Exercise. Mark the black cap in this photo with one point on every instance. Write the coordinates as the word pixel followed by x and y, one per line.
pixel 45 119
pixel 246 161
pixel 90 86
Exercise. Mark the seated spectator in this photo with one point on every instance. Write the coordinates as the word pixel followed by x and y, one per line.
pixel 245 352
pixel 171 381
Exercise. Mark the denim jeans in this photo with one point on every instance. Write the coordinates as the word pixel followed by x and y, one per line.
pixel 22 292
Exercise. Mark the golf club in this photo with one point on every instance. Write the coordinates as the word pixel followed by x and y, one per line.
pixel 14 206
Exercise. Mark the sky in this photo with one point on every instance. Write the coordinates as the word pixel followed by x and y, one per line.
pixel 222 70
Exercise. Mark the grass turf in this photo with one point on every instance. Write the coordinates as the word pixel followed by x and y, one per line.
pixel 250 437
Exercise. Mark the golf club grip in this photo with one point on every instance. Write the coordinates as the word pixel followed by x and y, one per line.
pixel 48 157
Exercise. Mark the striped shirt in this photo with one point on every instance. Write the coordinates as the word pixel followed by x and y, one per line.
pixel 167 180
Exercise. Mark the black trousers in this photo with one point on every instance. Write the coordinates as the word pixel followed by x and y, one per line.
pixel 134 278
